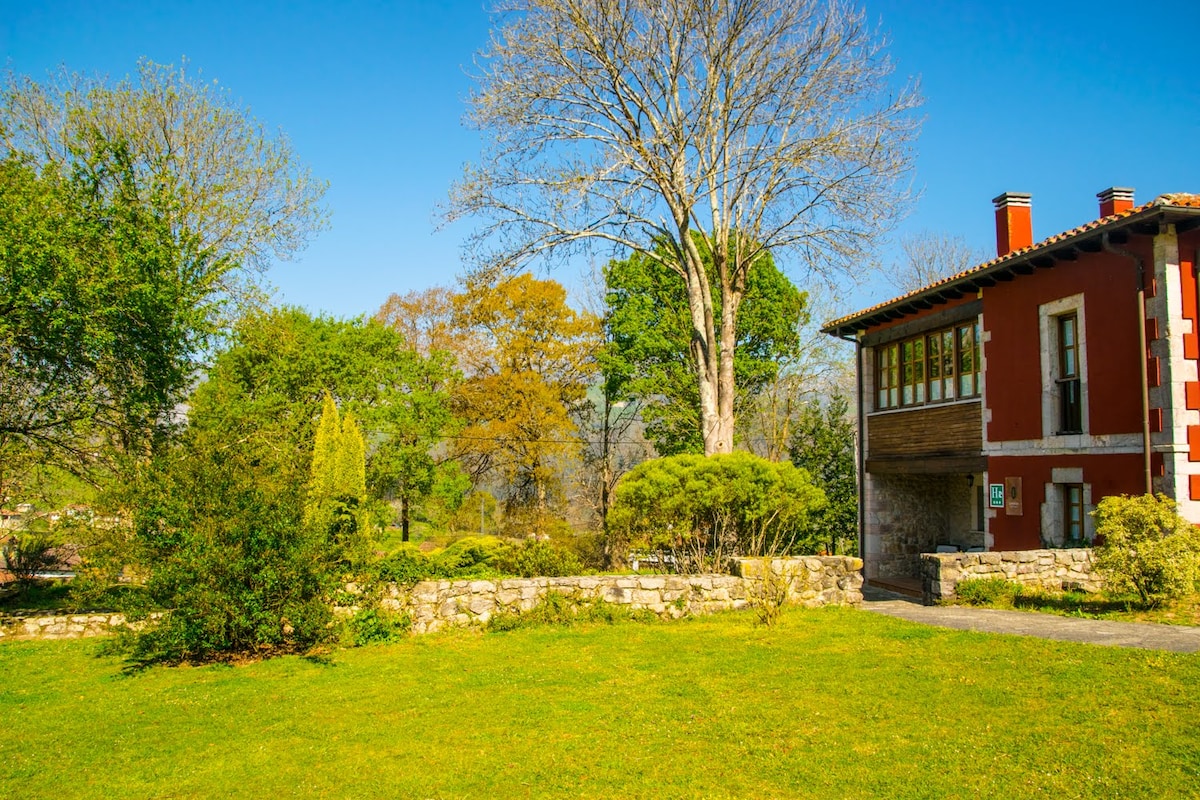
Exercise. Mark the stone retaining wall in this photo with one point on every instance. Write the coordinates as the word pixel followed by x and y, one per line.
pixel 812 581
pixel 434 605
pixel 22 625
pixel 1049 569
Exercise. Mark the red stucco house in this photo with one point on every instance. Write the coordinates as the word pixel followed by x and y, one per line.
pixel 998 406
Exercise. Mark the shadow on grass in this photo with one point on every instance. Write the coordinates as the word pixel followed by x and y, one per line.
pixel 1077 604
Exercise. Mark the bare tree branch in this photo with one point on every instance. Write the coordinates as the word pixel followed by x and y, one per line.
pixel 760 124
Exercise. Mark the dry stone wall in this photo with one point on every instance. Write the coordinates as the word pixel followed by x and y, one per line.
pixel 57 626
pixel 1048 569
pixel 435 605
pixel 813 581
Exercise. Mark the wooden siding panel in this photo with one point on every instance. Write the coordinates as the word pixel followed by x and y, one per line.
pixel 946 430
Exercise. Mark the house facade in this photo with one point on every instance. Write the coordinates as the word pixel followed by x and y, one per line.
pixel 998 406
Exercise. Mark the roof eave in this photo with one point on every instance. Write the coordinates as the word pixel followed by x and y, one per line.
pixel 1021 262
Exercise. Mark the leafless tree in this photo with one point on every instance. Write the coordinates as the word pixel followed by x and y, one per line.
pixel 929 257
pixel 822 367
pixel 759 124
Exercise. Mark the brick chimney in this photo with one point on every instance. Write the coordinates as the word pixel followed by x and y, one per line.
pixel 1114 200
pixel 1014 222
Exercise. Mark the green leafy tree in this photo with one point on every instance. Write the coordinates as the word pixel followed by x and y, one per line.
pixel 405 466
pixel 1147 547
pixel 823 444
pixel 265 392
pixel 235 186
pixel 133 216
pixel 408 461
pixel 103 312
pixel 705 510
pixel 649 332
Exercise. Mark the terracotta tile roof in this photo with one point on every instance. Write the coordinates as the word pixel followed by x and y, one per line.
pixel 1175 200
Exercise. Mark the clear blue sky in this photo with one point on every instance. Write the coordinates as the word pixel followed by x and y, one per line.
pixel 1061 98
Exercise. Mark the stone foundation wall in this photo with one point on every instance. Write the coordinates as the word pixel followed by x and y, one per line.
pixel 433 605
pixel 908 515
pixel 1049 569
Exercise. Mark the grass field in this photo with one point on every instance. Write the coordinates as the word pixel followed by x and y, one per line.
pixel 831 703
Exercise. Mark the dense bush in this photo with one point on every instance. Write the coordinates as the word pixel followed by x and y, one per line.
pixel 479 557
pixel 469 557
pixel 1147 547
pixel 406 566
pixel 706 509
pixel 227 554
pixel 532 559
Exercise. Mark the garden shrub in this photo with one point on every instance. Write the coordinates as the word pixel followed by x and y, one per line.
pixel 228 554
pixel 479 557
pixel 375 626
pixel 536 559
pixel 469 557
pixel 987 592
pixel 706 509
pixel 1147 547
pixel 406 566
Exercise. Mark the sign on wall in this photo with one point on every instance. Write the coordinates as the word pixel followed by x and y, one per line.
pixel 1012 497
pixel 996 497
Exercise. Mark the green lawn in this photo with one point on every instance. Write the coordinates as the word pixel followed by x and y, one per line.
pixel 1008 595
pixel 831 703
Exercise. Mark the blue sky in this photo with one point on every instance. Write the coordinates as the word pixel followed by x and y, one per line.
pixel 1060 98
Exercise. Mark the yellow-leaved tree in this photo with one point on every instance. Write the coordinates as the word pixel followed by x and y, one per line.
pixel 523 384
pixel 337 490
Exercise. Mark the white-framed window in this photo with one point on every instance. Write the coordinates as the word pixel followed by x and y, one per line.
pixel 1070 400
pixel 1063 340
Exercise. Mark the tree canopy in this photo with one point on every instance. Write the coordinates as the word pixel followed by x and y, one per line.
pixel 536 358
pixel 132 215
pixel 235 187
pixel 265 392
pixel 648 328
pixel 766 125
pixel 103 312
pixel 823 444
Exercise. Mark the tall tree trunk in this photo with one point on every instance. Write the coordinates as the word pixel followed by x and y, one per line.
pixel 726 380
pixel 404 517
pixel 716 426
pixel 605 462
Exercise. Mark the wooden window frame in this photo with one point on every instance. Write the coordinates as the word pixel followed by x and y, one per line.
pixel 1070 396
pixel 902 380
pixel 1068 504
